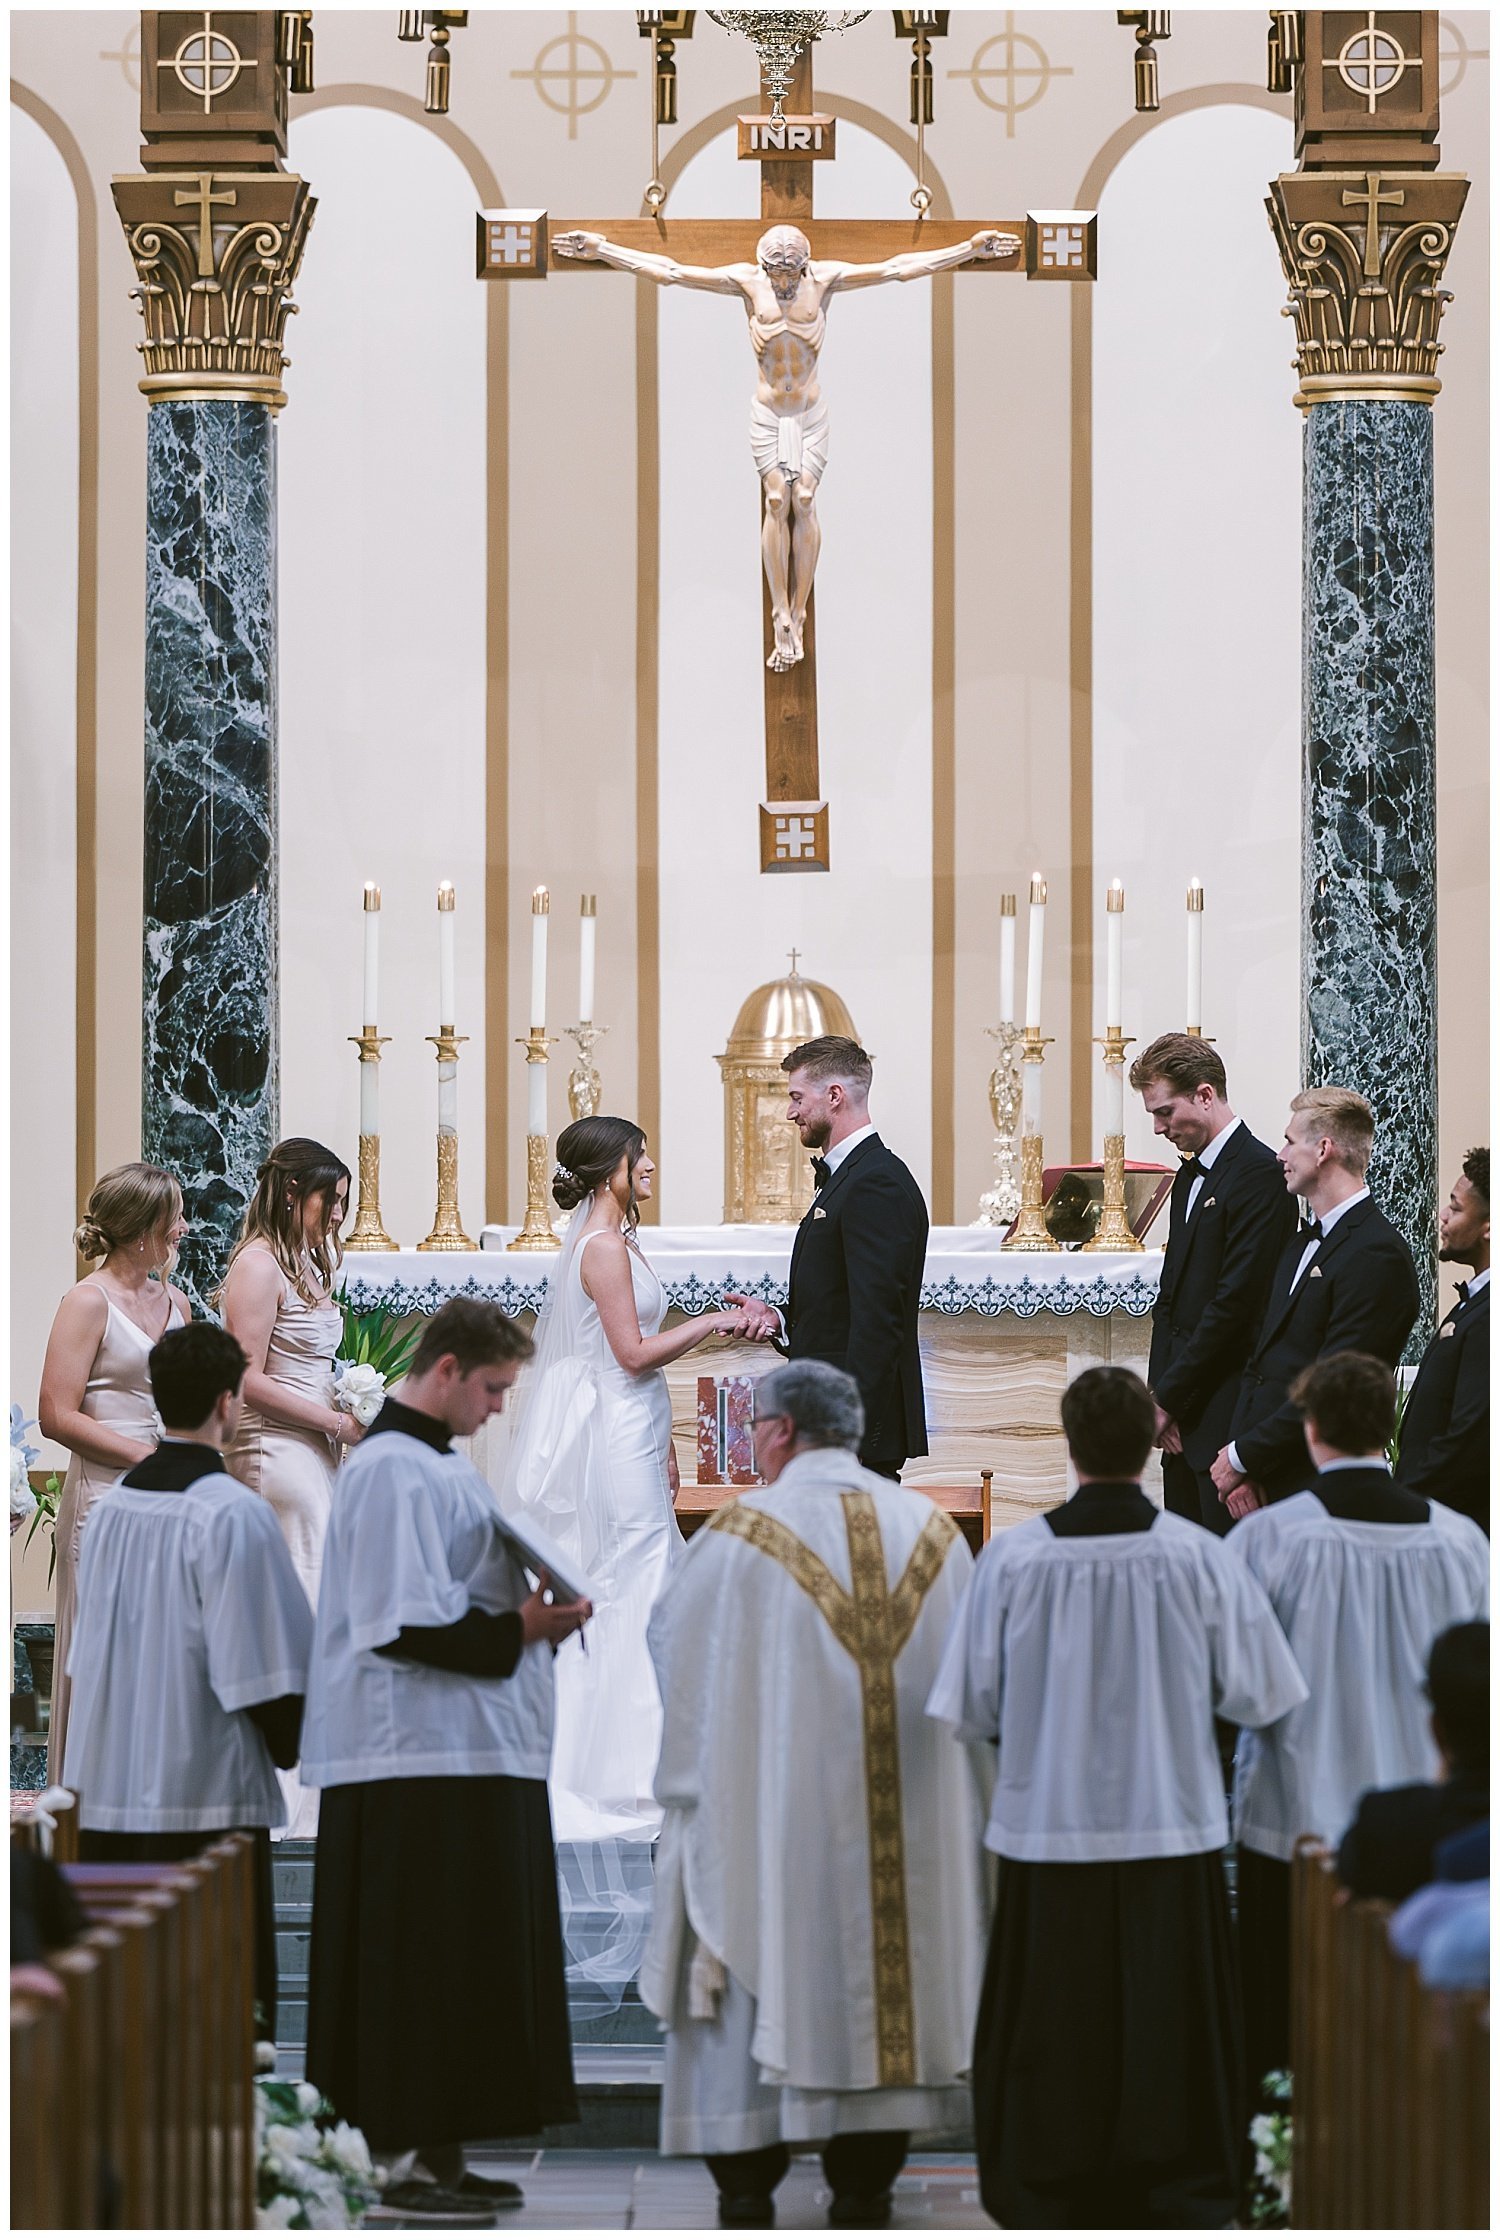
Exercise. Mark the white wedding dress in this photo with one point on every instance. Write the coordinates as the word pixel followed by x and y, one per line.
pixel 588 1459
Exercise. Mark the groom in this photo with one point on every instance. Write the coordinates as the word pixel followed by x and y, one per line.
pixel 856 1276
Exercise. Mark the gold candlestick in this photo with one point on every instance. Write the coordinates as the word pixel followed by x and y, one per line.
pixel 537 1233
pixel 369 1233
pixel 1114 1233
pixel 584 1086
pixel 448 1233
pixel 1002 1201
pixel 1030 1232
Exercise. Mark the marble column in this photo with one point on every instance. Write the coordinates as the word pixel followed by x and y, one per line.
pixel 216 252
pixel 1369 789
pixel 1363 253
pixel 210 1088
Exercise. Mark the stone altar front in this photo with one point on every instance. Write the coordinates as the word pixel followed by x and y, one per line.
pixel 1001 1335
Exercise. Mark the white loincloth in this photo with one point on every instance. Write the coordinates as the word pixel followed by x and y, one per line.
pixel 797 442
pixel 715 2099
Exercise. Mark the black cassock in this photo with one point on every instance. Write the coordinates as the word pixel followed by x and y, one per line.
pixel 1107 2083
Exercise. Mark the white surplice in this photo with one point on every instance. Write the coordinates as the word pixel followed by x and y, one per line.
pixel 821 1903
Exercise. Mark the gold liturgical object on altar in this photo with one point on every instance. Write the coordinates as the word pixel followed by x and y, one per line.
pixel 767 1174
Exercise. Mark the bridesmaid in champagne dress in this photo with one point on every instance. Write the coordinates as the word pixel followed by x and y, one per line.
pixel 277 1301
pixel 95 1394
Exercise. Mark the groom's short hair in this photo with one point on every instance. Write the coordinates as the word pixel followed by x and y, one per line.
pixel 831 1057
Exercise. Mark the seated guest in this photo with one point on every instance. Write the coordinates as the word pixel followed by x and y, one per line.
pixel 1097 1644
pixel 1445 1425
pixel 438 2011
pixel 1363 1576
pixel 1445 1928
pixel 190 1645
pixel 820 1905
pixel 1388 1850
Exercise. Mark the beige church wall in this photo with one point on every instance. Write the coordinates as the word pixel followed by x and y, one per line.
pixel 1196 659
pixel 552 725
pixel 44 733
pixel 382 589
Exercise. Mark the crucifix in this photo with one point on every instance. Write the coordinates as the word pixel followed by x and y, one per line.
pixel 784 269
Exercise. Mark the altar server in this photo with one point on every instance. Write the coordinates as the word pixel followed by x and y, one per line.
pixel 1230 1220
pixel 1345 1284
pixel 438 2011
pixel 190 1646
pixel 1097 1644
pixel 1445 1425
pixel 1363 1576
pixel 820 1904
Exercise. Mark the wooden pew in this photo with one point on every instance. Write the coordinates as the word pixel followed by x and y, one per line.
pixel 41 2115
pixel 1390 2080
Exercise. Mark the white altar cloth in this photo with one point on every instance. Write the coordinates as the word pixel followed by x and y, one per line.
pixel 966 1273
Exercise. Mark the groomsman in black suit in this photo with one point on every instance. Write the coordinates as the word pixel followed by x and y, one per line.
pixel 1345 1284
pixel 1230 1220
pixel 856 1276
pixel 1445 1429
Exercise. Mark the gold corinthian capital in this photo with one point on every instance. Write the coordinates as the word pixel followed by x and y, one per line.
pixel 215 253
pixel 1363 253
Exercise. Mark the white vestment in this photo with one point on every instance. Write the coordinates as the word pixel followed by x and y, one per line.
pixel 822 1891
pixel 797 442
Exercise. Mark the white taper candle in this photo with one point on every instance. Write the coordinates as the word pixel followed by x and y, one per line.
pixel 447 903
pixel 1007 959
pixel 1034 951
pixel 540 906
pixel 588 923
pixel 1114 952
pixel 1194 1020
pixel 372 957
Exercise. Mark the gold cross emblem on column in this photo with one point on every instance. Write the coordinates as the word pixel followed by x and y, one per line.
pixel 1374 202
pixel 206 200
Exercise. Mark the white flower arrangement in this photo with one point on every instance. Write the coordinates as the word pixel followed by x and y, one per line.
pixel 1271 2137
pixel 22 1498
pixel 359 1390
pixel 312 2174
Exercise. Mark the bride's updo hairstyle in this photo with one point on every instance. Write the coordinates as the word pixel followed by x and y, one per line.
pixel 126 1206
pixel 588 1152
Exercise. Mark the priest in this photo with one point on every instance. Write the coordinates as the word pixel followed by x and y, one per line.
pixel 1096 1646
pixel 820 1905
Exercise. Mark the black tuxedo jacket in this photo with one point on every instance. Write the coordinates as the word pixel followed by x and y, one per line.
pixel 1358 1296
pixel 856 1283
pixel 1387 1851
pixel 1215 1280
pixel 1445 1429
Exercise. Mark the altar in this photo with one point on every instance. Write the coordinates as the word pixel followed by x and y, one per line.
pixel 1001 1336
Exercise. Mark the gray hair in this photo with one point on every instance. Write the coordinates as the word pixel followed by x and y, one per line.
pixel 821 1401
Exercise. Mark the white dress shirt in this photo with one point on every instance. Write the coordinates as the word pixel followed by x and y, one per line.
pixel 834 1158
pixel 1477 1283
pixel 1206 1158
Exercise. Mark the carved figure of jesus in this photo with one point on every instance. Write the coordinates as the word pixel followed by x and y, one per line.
pixel 785 294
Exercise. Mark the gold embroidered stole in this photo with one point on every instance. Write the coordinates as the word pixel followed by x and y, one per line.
pixel 874 1623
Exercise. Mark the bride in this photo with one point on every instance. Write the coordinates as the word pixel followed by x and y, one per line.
pixel 591 1459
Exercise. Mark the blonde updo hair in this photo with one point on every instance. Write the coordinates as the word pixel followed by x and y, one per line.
pixel 125 1205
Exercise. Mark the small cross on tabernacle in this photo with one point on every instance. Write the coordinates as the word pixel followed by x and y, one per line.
pixel 796 953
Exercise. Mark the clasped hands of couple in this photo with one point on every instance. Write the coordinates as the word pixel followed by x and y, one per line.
pixel 1238 1493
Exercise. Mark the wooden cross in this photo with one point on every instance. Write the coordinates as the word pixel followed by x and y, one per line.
pixel 206 200
pixel 1057 245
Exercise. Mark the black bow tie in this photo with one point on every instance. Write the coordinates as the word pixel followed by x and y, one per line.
pixel 1194 1169
pixel 1307 1230
pixel 821 1172
pixel 1463 1292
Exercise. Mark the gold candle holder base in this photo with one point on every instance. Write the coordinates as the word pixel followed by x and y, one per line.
pixel 537 1233
pixel 448 1233
pixel 1030 1232
pixel 369 1233
pixel 584 1086
pixel 1114 1233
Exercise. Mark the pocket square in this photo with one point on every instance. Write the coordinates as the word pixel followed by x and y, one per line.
pixel 1313 1272
pixel 1209 1202
pixel 1448 1331
pixel 820 1213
